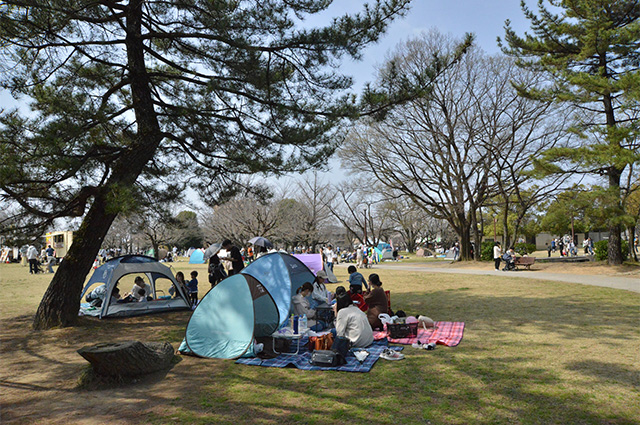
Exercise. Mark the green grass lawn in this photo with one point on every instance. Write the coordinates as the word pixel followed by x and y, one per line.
pixel 533 352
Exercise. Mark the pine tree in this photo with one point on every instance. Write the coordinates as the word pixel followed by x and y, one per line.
pixel 590 49
pixel 131 95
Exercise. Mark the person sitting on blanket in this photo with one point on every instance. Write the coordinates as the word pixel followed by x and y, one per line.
pixel 183 286
pixel 320 294
pixel 356 280
pixel 352 323
pixel 301 306
pixel 139 284
pixel 96 296
pixel 376 299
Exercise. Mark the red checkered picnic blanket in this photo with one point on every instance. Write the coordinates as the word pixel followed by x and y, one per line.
pixel 445 333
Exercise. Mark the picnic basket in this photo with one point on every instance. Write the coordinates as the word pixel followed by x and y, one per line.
pixel 402 330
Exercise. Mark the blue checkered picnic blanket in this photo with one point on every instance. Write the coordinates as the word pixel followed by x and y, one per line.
pixel 302 360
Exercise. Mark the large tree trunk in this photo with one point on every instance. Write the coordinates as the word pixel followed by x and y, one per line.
pixel 61 301
pixel 632 251
pixel 477 238
pixel 614 253
pixel 464 233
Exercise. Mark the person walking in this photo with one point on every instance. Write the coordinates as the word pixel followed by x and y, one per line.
pixel 497 255
pixel 561 247
pixel 32 257
pixel 328 254
pixel 51 259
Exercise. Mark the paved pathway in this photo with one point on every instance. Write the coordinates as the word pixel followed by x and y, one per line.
pixel 626 283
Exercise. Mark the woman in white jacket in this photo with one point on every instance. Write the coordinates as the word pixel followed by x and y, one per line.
pixel 352 323
pixel 320 294
pixel 301 306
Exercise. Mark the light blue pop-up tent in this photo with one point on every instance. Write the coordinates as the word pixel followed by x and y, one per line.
pixel 242 307
pixel 196 257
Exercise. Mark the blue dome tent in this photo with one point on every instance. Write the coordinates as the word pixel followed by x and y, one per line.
pixel 158 276
pixel 242 307
pixel 196 257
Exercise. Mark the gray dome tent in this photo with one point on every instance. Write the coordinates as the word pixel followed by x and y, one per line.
pixel 113 270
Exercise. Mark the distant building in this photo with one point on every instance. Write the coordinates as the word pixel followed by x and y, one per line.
pixel 60 241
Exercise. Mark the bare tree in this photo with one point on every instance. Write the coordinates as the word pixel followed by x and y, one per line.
pixel 239 220
pixel 431 149
pixel 410 221
pixel 359 210
pixel 451 150
pixel 312 193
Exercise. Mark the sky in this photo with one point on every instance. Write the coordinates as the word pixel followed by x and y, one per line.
pixel 484 18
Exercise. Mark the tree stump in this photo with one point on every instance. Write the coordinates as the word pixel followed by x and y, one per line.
pixel 129 358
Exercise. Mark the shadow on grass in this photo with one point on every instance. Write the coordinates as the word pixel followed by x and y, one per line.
pixel 491 377
pixel 567 316
pixel 604 371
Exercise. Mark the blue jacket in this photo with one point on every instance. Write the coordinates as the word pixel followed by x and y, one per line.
pixel 356 279
pixel 192 285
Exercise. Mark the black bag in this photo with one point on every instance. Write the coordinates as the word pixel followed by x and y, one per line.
pixel 341 346
pixel 324 358
pixel 217 273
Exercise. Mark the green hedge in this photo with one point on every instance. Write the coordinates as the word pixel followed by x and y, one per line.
pixel 486 251
pixel 602 250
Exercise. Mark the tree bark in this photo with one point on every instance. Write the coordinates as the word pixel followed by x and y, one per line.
pixel 614 252
pixel 129 358
pixel 61 301
pixel 477 238
pixel 464 234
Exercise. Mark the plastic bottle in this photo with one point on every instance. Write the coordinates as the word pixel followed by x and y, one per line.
pixel 296 325
pixel 303 326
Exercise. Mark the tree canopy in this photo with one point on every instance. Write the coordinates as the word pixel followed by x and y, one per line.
pixel 133 96
pixel 590 50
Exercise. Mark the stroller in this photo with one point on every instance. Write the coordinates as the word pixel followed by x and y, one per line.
pixel 509 262
pixel 38 268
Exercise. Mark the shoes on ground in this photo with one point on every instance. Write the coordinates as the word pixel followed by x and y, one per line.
pixel 389 354
pixel 421 346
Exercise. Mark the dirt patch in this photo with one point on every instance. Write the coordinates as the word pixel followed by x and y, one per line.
pixel 41 371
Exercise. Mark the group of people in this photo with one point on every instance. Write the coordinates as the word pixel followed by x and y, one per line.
pixel 567 247
pixel 140 292
pixel 509 257
pixel 189 287
pixel 35 259
pixel 316 302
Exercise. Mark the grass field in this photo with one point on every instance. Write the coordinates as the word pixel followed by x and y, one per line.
pixel 534 352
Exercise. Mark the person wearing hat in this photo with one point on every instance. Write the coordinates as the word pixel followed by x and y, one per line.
pixel 320 294
pixel 377 301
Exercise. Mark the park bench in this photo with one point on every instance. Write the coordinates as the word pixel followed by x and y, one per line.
pixel 525 261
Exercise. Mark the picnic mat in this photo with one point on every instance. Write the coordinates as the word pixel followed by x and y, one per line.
pixel 446 333
pixel 301 360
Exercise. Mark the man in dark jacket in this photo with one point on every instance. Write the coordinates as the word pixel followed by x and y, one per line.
pixel 237 263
